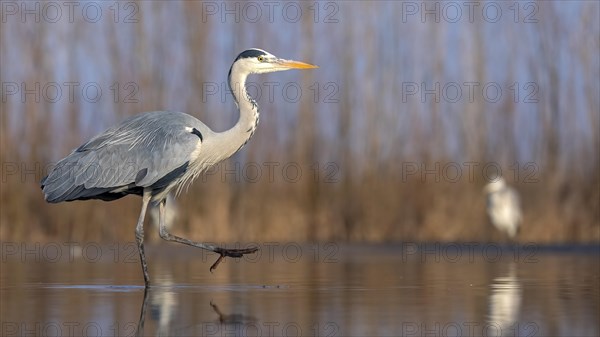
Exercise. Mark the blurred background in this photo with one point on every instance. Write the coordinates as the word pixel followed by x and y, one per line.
pixel 415 106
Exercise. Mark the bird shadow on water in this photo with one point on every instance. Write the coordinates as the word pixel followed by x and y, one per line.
pixel 160 305
pixel 232 319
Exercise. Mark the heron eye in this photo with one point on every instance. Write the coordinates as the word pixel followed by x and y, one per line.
pixel 261 58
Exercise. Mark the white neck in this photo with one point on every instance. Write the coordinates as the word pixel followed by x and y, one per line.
pixel 235 138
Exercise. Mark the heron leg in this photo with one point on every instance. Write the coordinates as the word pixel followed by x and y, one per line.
pixel 223 252
pixel 139 236
pixel 140 327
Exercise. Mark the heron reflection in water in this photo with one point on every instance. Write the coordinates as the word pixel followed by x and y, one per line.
pixel 505 302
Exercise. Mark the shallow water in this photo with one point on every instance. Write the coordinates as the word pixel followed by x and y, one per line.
pixel 310 290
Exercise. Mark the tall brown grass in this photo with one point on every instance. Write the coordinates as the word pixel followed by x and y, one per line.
pixel 364 139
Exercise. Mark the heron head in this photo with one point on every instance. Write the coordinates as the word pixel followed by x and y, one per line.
pixel 495 185
pixel 258 61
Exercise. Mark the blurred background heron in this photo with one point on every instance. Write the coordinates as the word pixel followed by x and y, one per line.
pixel 503 207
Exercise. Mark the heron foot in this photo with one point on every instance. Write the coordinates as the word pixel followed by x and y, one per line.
pixel 236 253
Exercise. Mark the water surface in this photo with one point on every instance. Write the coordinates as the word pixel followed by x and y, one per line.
pixel 309 290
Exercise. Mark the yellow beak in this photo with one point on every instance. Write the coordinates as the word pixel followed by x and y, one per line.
pixel 296 64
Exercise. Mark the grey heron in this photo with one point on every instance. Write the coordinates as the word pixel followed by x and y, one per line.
pixel 503 207
pixel 154 153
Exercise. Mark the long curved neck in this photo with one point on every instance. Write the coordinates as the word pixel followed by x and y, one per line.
pixel 235 138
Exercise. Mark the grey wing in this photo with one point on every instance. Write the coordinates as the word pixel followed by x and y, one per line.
pixel 150 150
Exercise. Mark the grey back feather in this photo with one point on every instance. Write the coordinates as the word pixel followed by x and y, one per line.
pixel 126 158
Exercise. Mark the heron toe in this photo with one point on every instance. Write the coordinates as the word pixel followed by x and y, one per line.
pixel 237 253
